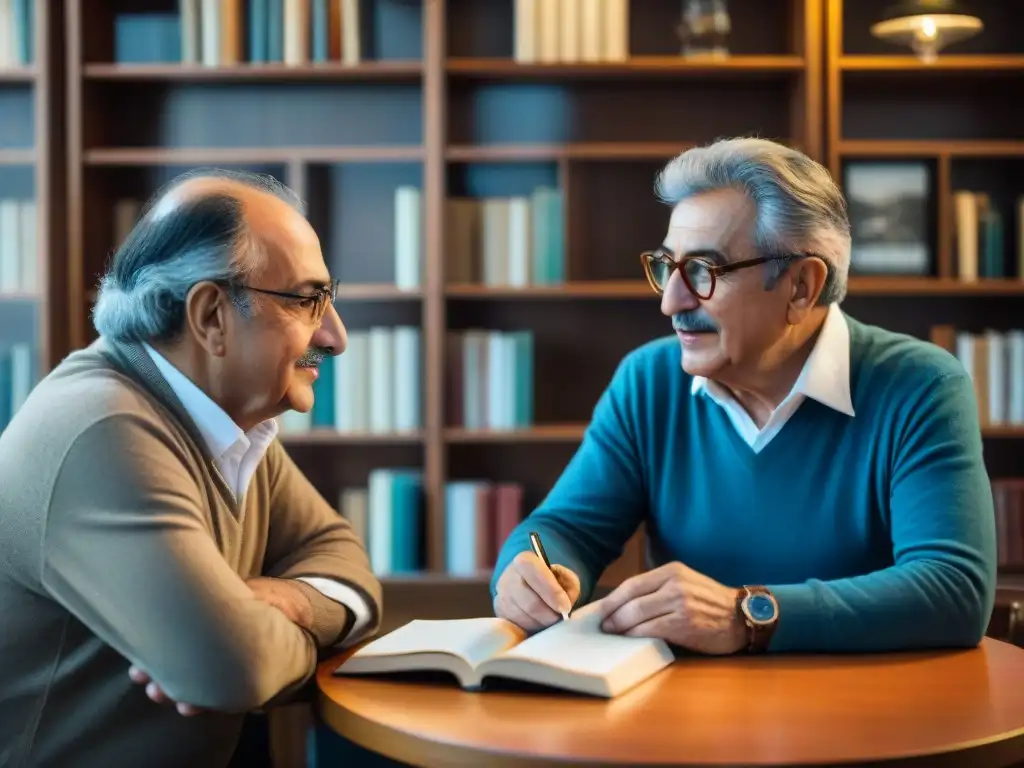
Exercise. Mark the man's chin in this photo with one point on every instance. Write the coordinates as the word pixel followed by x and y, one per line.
pixel 700 362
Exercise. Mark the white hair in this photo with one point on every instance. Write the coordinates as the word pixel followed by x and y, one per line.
pixel 176 244
pixel 799 208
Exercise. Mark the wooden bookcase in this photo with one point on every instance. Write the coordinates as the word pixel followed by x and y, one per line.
pixel 957 116
pixel 32 295
pixel 440 103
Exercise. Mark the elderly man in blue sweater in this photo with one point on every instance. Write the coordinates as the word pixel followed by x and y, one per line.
pixel 808 482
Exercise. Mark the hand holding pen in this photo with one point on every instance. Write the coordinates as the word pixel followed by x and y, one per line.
pixel 533 593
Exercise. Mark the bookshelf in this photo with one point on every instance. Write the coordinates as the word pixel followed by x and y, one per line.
pixel 441 99
pixel 884 106
pixel 32 324
pixel 445 102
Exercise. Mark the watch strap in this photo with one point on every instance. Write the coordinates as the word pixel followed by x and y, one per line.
pixel 759 635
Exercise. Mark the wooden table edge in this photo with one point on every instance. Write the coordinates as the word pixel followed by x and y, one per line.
pixel 1004 750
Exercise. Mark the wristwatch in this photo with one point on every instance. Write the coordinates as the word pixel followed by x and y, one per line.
pixel 758 609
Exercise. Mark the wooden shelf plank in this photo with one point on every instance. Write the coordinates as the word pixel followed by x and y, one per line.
pixel 637 66
pixel 982 63
pixel 639 289
pixel 596 289
pixel 931 148
pixel 541 433
pixel 333 437
pixel 17 74
pixel 184 73
pixel 244 155
pixel 553 152
pixel 933 286
pixel 17 156
pixel 1014 431
pixel 376 292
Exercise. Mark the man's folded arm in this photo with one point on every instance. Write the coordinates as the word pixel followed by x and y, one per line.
pixel 126 550
pixel 312 543
pixel 599 500
pixel 941 588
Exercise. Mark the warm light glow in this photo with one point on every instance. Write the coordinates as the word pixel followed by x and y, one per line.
pixel 927 34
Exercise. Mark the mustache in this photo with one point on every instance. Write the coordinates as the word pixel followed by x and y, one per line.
pixel 693 322
pixel 313 357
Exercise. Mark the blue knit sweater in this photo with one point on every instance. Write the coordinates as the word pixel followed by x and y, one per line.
pixel 875 532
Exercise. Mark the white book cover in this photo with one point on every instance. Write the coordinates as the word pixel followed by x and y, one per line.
pixel 29 247
pixel 352 384
pixel 997 371
pixel 616 31
pixel 520 239
pixel 407 378
pixel 379 523
pixel 591 29
pixel 550 38
pixel 526 30
pixel 382 414
pixel 495 241
pixel 210 38
pixel 1015 356
pixel 10 246
pixel 351 40
pixel 570 26
pixel 190 31
pixel 408 238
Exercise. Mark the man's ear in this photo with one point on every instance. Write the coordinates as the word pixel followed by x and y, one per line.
pixel 807 281
pixel 206 308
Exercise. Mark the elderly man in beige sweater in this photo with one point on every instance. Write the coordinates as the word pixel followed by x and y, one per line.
pixel 164 566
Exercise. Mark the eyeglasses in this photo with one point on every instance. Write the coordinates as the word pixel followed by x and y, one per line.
pixel 315 304
pixel 699 272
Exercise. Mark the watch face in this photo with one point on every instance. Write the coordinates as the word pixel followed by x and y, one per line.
pixel 761 608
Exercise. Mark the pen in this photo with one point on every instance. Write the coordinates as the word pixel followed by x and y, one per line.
pixel 538 549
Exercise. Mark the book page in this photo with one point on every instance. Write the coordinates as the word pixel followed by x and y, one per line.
pixel 579 645
pixel 474 640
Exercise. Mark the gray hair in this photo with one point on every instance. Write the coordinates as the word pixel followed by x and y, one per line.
pixel 176 244
pixel 799 207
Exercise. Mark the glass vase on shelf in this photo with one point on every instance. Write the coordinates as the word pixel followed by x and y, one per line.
pixel 704 28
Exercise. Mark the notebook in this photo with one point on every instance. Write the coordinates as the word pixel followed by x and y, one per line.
pixel 573 655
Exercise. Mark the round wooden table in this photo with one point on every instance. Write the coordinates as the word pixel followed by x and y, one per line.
pixel 935 709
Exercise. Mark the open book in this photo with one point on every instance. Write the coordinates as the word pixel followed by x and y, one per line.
pixel 573 655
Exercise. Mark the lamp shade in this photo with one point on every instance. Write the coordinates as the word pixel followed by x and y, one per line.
pixel 927 26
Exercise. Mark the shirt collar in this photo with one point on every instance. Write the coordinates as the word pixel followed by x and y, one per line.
pixel 825 376
pixel 218 429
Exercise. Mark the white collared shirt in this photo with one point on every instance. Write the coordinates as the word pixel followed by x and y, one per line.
pixel 237 454
pixel 825 377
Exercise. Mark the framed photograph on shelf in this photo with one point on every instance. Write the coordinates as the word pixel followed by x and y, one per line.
pixel 890 207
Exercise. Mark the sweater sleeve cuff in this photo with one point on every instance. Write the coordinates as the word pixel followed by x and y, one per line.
pixel 340 614
pixel 802 619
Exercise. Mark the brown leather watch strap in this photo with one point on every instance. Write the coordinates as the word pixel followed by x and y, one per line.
pixel 759 634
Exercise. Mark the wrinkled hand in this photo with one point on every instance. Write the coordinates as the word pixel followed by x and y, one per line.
pixel 678 605
pixel 283 594
pixel 156 693
pixel 533 597
pixel 286 596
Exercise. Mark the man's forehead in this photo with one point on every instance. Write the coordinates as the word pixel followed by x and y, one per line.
pixel 716 222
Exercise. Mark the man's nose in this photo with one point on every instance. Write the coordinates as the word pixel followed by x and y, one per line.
pixel 677 297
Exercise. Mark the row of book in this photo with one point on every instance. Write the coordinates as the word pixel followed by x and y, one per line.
pixel 388 515
pixel 995 361
pixel 570 31
pixel 217 33
pixel 19 265
pixel 506 241
pixel 374 387
pixel 17 377
pixel 981 237
pixel 17 19
pixel 489 382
